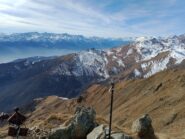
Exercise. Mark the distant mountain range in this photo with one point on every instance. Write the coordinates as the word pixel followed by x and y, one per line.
pixel 67 76
pixel 22 45
pixel 65 41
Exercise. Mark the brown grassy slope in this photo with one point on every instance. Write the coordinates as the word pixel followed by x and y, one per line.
pixel 162 96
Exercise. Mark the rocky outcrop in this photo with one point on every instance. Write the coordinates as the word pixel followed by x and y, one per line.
pixel 82 124
pixel 143 127
pixel 100 133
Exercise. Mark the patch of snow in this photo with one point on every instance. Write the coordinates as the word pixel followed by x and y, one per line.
pixel 137 59
pixel 120 63
pixel 106 60
pixel 157 66
pixel 130 51
pixel 149 48
pixel 137 73
pixel 62 69
pixel 141 39
pixel 144 66
pixel 89 63
pixel 109 52
pixel 63 98
pixel 38 99
pixel 26 63
pixel 17 67
pixel 114 57
pixel 178 53
pixel 33 37
pixel 118 50
pixel 94 62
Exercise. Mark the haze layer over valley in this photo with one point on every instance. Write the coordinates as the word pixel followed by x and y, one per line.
pixel 23 45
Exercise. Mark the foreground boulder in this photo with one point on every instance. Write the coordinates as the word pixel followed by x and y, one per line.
pixel 82 124
pixel 143 128
pixel 100 133
pixel 97 133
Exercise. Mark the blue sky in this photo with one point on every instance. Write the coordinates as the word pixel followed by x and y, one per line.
pixel 105 18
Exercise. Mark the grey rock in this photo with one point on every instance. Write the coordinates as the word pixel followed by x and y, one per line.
pixel 82 124
pixel 143 126
pixel 118 136
pixel 99 133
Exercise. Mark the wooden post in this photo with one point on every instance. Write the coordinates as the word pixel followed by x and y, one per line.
pixel 18 131
pixel 111 107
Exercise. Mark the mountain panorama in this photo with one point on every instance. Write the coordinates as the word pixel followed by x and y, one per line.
pixel 69 75
pixel 148 73
pixel 92 69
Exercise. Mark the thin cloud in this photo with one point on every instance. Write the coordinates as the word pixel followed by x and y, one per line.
pixel 107 18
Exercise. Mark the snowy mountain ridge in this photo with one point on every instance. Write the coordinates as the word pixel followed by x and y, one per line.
pixel 52 37
pixel 143 58
pixel 68 75
pixel 31 44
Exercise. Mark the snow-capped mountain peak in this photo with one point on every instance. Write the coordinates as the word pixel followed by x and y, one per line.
pixel 142 58
pixel 141 39
pixel 150 54
pixel 68 75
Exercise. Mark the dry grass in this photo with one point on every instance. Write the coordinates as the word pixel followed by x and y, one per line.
pixel 165 105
